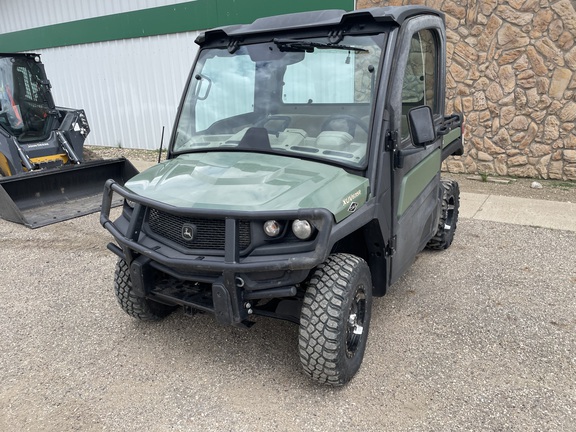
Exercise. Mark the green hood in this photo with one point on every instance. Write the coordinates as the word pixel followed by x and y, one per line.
pixel 251 182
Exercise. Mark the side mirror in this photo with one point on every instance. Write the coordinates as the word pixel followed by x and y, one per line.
pixel 421 125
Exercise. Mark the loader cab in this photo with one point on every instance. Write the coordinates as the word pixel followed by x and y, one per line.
pixel 26 105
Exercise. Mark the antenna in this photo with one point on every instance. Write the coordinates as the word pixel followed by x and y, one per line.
pixel 161 142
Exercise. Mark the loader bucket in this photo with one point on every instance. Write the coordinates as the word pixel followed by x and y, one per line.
pixel 41 198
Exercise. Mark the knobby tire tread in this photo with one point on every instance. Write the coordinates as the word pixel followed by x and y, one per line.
pixel 134 305
pixel 443 238
pixel 321 344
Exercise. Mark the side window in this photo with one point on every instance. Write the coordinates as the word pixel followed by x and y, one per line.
pixel 24 84
pixel 419 85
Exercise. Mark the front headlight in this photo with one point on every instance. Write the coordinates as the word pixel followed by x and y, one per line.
pixel 302 229
pixel 272 228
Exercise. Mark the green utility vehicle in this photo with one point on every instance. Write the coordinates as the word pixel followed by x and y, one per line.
pixel 302 179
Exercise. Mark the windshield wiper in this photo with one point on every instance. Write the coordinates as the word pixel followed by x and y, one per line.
pixel 308 46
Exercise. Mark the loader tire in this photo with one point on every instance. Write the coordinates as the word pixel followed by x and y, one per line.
pixel 335 319
pixel 448 218
pixel 134 305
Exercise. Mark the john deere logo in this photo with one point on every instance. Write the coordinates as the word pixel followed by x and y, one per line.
pixel 188 232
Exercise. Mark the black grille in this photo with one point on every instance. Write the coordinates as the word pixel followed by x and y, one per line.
pixel 208 233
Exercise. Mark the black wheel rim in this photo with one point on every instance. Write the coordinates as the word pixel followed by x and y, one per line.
pixel 355 322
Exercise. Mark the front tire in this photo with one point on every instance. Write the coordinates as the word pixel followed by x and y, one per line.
pixel 448 218
pixel 335 319
pixel 134 305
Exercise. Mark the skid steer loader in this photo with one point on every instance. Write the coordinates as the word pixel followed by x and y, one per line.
pixel 43 176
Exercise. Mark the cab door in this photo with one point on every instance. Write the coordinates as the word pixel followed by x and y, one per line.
pixel 418 79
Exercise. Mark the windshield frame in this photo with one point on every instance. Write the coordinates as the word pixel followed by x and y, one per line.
pixel 350 46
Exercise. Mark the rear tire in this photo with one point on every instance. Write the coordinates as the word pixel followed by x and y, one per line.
pixel 448 218
pixel 134 305
pixel 335 319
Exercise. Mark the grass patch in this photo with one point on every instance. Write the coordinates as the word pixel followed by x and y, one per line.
pixel 565 185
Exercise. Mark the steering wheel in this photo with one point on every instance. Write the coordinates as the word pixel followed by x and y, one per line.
pixel 285 121
pixel 337 121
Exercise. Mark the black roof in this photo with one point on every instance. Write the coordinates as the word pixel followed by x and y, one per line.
pixel 315 19
pixel 18 54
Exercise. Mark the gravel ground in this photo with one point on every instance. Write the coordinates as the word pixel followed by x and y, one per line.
pixel 478 337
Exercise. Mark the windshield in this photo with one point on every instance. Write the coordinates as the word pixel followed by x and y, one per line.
pixel 304 97
pixel 24 107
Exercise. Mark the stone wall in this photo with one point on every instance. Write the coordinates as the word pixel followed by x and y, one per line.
pixel 512 72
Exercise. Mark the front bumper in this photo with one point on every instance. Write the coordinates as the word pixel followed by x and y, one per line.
pixel 235 277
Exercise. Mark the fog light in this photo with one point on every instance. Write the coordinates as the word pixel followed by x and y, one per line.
pixel 271 228
pixel 302 229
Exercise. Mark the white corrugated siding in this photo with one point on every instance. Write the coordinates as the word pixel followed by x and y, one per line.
pixel 25 14
pixel 129 88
